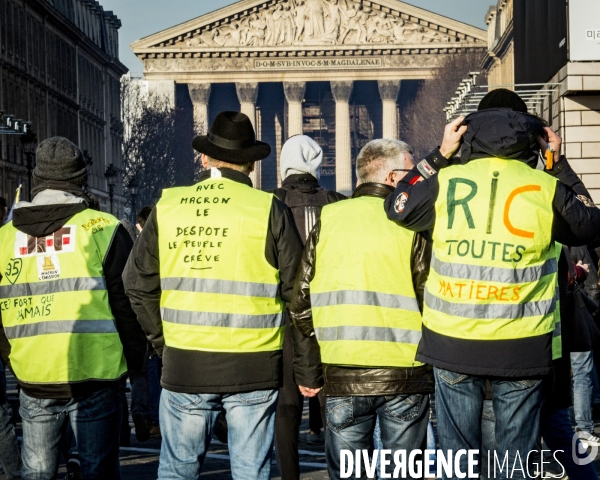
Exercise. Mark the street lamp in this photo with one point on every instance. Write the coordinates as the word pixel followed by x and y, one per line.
pixel 133 190
pixel 28 141
pixel 111 175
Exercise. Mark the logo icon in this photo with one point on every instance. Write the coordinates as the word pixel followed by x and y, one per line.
pixel 583 450
pixel 401 202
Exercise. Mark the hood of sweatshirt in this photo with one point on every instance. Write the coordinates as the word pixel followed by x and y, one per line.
pixel 502 133
pixel 49 211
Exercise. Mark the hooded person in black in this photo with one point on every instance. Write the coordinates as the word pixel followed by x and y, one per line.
pixel 301 158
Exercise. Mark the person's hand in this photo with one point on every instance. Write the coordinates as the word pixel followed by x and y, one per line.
pixel 585 266
pixel 309 392
pixel 452 135
pixel 554 142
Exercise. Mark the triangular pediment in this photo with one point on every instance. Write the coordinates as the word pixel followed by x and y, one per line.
pixel 313 24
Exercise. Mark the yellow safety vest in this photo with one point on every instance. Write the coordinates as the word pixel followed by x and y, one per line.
pixel 54 302
pixel 364 307
pixel 493 272
pixel 219 292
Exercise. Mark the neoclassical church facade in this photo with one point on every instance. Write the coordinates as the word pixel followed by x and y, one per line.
pixel 336 70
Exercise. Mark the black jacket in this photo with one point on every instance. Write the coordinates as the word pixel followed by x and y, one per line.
pixel 43 220
pixel 193 371
pixel 576 222
pixel 348 381
pixel 305 198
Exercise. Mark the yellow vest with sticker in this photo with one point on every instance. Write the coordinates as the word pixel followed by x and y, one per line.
pixel 54 302
pixel 219 292
pixel 494 267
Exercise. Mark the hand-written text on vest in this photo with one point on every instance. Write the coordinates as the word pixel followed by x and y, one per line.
pixel 202 254
pixel 29 307
pixel 478 248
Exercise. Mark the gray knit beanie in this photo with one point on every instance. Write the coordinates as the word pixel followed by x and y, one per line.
pixel 57 159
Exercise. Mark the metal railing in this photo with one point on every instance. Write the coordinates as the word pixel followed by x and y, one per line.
pixel 469 94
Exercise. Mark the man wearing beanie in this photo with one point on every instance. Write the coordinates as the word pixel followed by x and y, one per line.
pixel 301 159
pixel 210 277
pixel 70 327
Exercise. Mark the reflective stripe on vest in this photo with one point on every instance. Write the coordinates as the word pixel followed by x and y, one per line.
pixel 494 274
pixel 64 326
pixel 356 297
pixel 364 306
pixel 373 334
pixel 55 308
pixel 53 286
pixel 494 269
pixel 228 287
pixel 229 320
pixel 219 293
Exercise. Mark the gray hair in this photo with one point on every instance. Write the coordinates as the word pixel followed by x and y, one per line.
pixel 379 157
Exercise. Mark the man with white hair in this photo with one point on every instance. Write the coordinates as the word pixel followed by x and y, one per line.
pixel 301 159
pixel 356 307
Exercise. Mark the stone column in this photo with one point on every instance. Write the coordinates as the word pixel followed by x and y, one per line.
pixel 294 94
pixel 200 94
pixel 388 90
pixel 247 95
pixel 341 92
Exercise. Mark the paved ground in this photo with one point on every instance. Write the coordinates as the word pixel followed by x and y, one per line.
pixel 140 460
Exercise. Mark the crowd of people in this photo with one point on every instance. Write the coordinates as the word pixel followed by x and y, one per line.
pixel 468 276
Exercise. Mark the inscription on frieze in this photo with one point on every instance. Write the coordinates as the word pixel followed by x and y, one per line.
pixel 191 65
pixel 320 63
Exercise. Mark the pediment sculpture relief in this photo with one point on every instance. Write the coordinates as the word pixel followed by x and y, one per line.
pixel 335 22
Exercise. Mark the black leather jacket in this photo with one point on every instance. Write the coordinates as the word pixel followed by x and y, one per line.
pixel 350 381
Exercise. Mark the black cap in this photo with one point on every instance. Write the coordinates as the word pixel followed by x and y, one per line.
pixel 502 98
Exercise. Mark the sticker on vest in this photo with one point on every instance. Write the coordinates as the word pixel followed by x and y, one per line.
pixel 48 267
pixel 215 173
pixel 401 202
pixel 61 241
pixel 13 270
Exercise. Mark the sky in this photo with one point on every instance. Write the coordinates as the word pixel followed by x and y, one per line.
pixel 141 18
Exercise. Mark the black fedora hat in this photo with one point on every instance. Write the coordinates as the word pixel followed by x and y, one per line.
pixel 231 139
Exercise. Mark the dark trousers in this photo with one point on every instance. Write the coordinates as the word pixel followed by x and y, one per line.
pixel 289 414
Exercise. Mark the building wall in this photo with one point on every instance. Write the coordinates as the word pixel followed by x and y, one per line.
pixel 572 109
pixel 59 69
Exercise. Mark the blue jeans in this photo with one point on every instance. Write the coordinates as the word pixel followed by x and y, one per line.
pixel 9 448
pixel 488 437
pixel 351 424
pixel 95 421
pixel 459 405
pixel 582 364
pixel 556 429
pixel 187 421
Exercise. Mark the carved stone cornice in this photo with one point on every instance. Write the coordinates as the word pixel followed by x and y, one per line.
pixel 199 92
pixel 375 61
pixel 247 92
pixel 341 91
pixel 389 89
